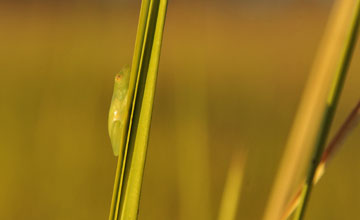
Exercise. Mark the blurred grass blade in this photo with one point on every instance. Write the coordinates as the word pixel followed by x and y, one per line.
pixel 348 126
pixel 129 173
pixel 192 139
pixel 317 106
pixel 232 189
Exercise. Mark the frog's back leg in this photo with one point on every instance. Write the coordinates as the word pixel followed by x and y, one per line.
pixel 117 138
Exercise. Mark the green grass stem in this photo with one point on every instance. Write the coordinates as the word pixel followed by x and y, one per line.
pixel 129 173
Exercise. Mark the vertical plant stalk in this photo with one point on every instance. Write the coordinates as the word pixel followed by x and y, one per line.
pixel 317 106
pixel 141 119
pixel 138 50
pixel 232 189
pixel 129 173
pixel 348 126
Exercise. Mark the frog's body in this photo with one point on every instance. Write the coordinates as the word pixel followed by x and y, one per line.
pixel 118 112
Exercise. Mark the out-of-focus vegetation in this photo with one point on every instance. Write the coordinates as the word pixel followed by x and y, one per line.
pixel 316 110
pixel 57 63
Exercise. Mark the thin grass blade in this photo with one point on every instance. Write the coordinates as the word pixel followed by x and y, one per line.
pixel 317 106
pixel 232 189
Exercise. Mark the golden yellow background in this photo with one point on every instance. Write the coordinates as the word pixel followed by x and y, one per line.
pixel 230 77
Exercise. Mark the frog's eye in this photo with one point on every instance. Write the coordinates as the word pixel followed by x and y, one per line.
pixel 118 77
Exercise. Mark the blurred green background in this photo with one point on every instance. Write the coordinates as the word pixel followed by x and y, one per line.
pixel 230 77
